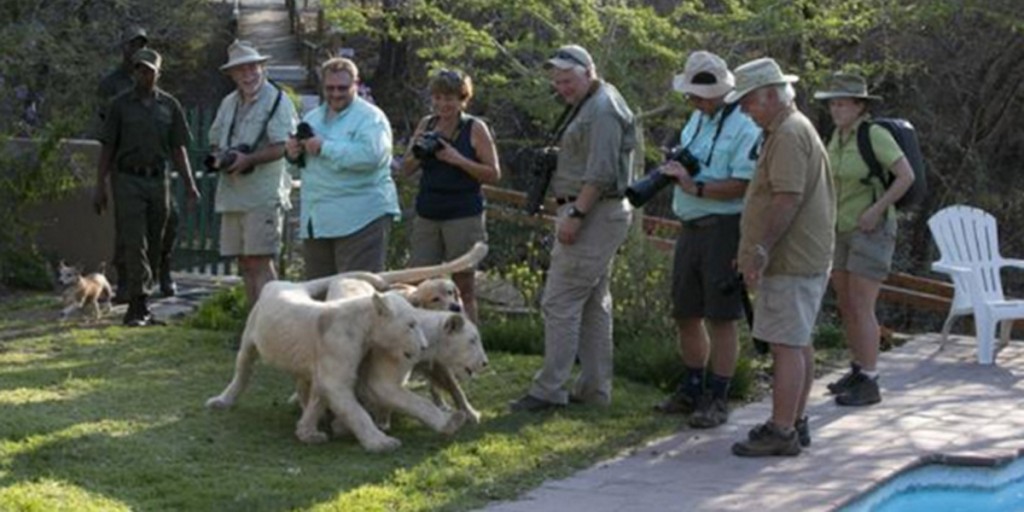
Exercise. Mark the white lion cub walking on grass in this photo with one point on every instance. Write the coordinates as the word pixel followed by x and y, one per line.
pixel 322 344
pixel 453 343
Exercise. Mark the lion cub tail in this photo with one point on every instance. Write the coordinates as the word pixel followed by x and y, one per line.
pixel 465 262
pixel 317 288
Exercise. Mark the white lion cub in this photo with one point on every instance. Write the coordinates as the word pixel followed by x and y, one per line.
pixel 321 344
pixel 452 343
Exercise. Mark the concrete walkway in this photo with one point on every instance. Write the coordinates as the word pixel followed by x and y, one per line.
pixel 934 401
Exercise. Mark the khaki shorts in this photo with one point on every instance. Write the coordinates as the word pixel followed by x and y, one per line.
pixel 786 307
pixel 436 241
pixel 251 233
pixel 866 254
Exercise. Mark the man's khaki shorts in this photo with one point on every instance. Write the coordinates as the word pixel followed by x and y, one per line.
pixel 786 308
pixel 866 254
pixel 436 241
pixel 251 233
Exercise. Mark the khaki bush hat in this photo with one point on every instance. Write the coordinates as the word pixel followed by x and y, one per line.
pixel 242 52
pixel 846 85
pixel 756 74
pixel 705 75
pixel 149 58
pixel 568 56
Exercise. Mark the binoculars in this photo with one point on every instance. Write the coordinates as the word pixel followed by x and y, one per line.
pixel 642 191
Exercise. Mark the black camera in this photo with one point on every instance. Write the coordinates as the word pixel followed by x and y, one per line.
pixel 303 132
pixel 642 191
pixel 221 160
pixel 543 163
pixel 427 145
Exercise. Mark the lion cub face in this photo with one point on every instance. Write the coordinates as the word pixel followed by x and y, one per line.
pixel 396 328
pixel 460 348
pixel 436 295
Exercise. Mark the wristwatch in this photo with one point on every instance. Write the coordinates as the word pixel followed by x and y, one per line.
pixel 576 213
pixel 700 189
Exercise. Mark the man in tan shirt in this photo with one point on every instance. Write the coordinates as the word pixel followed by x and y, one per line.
pixel 785 251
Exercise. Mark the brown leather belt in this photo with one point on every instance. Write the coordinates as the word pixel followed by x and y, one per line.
pixel 572 199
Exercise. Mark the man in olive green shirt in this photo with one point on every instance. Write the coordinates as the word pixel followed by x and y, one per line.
pixel 596 153
pixel 144 130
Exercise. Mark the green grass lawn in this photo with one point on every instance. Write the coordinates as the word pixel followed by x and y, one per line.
pixel 107 418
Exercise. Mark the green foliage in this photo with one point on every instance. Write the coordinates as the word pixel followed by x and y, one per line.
pixel 29 175
pixel 829 336
pixel 23 267
pixel 225 310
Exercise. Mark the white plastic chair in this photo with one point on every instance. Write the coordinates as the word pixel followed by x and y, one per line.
pixel 969 252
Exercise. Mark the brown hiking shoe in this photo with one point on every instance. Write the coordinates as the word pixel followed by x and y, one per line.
pixel 710 413
pixel 803 432
pixel 678 402
pixel 862 390
pixel 845 381
pixel 767 440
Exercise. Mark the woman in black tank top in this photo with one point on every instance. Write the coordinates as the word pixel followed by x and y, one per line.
pixel 455 155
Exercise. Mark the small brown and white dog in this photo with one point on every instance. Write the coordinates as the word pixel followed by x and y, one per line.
pixel 81 290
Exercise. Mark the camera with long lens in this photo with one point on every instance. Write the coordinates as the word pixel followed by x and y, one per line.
pixel 427 145
pixel 642 191
pixel 220 160
pixel 303 132
pixel 543 163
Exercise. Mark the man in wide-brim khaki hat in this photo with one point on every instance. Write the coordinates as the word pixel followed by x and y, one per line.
pixel 787 232
pixel 242 52
pixel 253 192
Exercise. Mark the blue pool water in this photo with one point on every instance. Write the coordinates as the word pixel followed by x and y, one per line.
pixel 944 488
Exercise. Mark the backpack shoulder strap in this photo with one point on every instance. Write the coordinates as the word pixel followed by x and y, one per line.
pixel 867 152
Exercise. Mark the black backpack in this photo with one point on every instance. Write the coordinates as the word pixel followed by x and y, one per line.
pixel 906 138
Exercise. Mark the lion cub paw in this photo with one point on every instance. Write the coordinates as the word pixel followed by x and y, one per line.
pixel 384 444
pixel 311 437
pixel 455 422
pixel 219 402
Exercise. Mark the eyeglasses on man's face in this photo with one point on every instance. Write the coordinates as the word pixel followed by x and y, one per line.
pixel 340 88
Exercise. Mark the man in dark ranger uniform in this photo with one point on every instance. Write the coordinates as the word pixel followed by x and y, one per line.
pixel 143 132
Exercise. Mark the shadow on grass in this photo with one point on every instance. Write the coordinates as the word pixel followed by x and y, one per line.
pixel 119 413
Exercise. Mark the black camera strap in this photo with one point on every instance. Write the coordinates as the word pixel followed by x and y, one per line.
pixel 568 114
pixel 434 119
pixel 266 122
pixel 729 109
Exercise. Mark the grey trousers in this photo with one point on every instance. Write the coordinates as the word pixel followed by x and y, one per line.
pixel 366 250
pixel 577 307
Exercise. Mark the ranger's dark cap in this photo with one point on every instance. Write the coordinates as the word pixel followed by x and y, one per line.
pixel 148 58
pixel 132 33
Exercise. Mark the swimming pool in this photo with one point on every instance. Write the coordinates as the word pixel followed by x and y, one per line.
pixel 941 487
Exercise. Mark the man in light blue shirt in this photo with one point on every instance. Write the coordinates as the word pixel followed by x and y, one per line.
pixel 348 197
pixel 708 201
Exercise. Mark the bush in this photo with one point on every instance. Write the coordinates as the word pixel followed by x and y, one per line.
pixel 225 310
pixel 25 268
